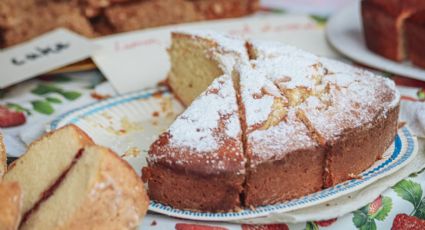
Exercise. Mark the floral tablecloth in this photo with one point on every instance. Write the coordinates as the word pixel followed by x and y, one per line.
pixel 42 99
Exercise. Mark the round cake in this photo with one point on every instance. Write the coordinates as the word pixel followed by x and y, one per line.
pixel 278 124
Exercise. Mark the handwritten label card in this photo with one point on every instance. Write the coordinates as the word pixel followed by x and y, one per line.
pixel 50 51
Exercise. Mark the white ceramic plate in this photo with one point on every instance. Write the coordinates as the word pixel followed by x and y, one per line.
pixel 128 124
pixel 344 31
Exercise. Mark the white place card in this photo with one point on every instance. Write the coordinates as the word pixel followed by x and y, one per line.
pixel 47 52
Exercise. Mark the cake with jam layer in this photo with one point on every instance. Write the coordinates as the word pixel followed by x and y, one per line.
pixel 67 182
pixel 305 123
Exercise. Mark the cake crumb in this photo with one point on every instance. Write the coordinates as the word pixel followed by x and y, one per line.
pixel 155 114
pixel 157 94
pixel 153 223
pixel 353 176
pixel 166 105
pixel 99 96
pixel 132 152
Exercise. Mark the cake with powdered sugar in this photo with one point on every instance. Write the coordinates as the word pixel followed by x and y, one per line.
pixel 273 123
pixel 199 162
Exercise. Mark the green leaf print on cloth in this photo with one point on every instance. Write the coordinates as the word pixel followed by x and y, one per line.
pixel 43 107
pixel 364 218
pixel 53 100
pixel 412 192
pixel 44 89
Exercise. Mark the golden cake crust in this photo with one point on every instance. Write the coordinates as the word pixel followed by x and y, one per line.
pixel 10 203
pixel 3 158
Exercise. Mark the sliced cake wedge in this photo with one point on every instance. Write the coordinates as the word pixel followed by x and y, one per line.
pixel 198 163
pixel 100 191
pixel 278 145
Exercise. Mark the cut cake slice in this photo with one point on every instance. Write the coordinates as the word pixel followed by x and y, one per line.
pixel 197 58
pixel 355 107
pixel 280 151
pixel 10 205
pixel 45 161
pixel 99 191
pixel 198 163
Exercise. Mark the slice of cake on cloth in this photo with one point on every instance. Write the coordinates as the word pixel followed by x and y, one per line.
pixel 68 183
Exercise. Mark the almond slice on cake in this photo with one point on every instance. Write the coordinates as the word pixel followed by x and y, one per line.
pixel 99 191
pixel 10 205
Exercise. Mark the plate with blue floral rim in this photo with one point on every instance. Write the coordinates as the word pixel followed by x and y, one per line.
pixel 128 124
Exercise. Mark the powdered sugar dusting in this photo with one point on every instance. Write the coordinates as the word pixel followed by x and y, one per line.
pixel 277 141
pixel 339 97
pixel 299 71
pixel 270 49
pixel 195 128
pixel 257 104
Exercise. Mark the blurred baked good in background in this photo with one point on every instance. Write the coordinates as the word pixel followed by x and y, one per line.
pixel 92 18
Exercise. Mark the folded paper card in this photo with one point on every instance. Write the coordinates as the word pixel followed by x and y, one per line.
pixel 50 51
